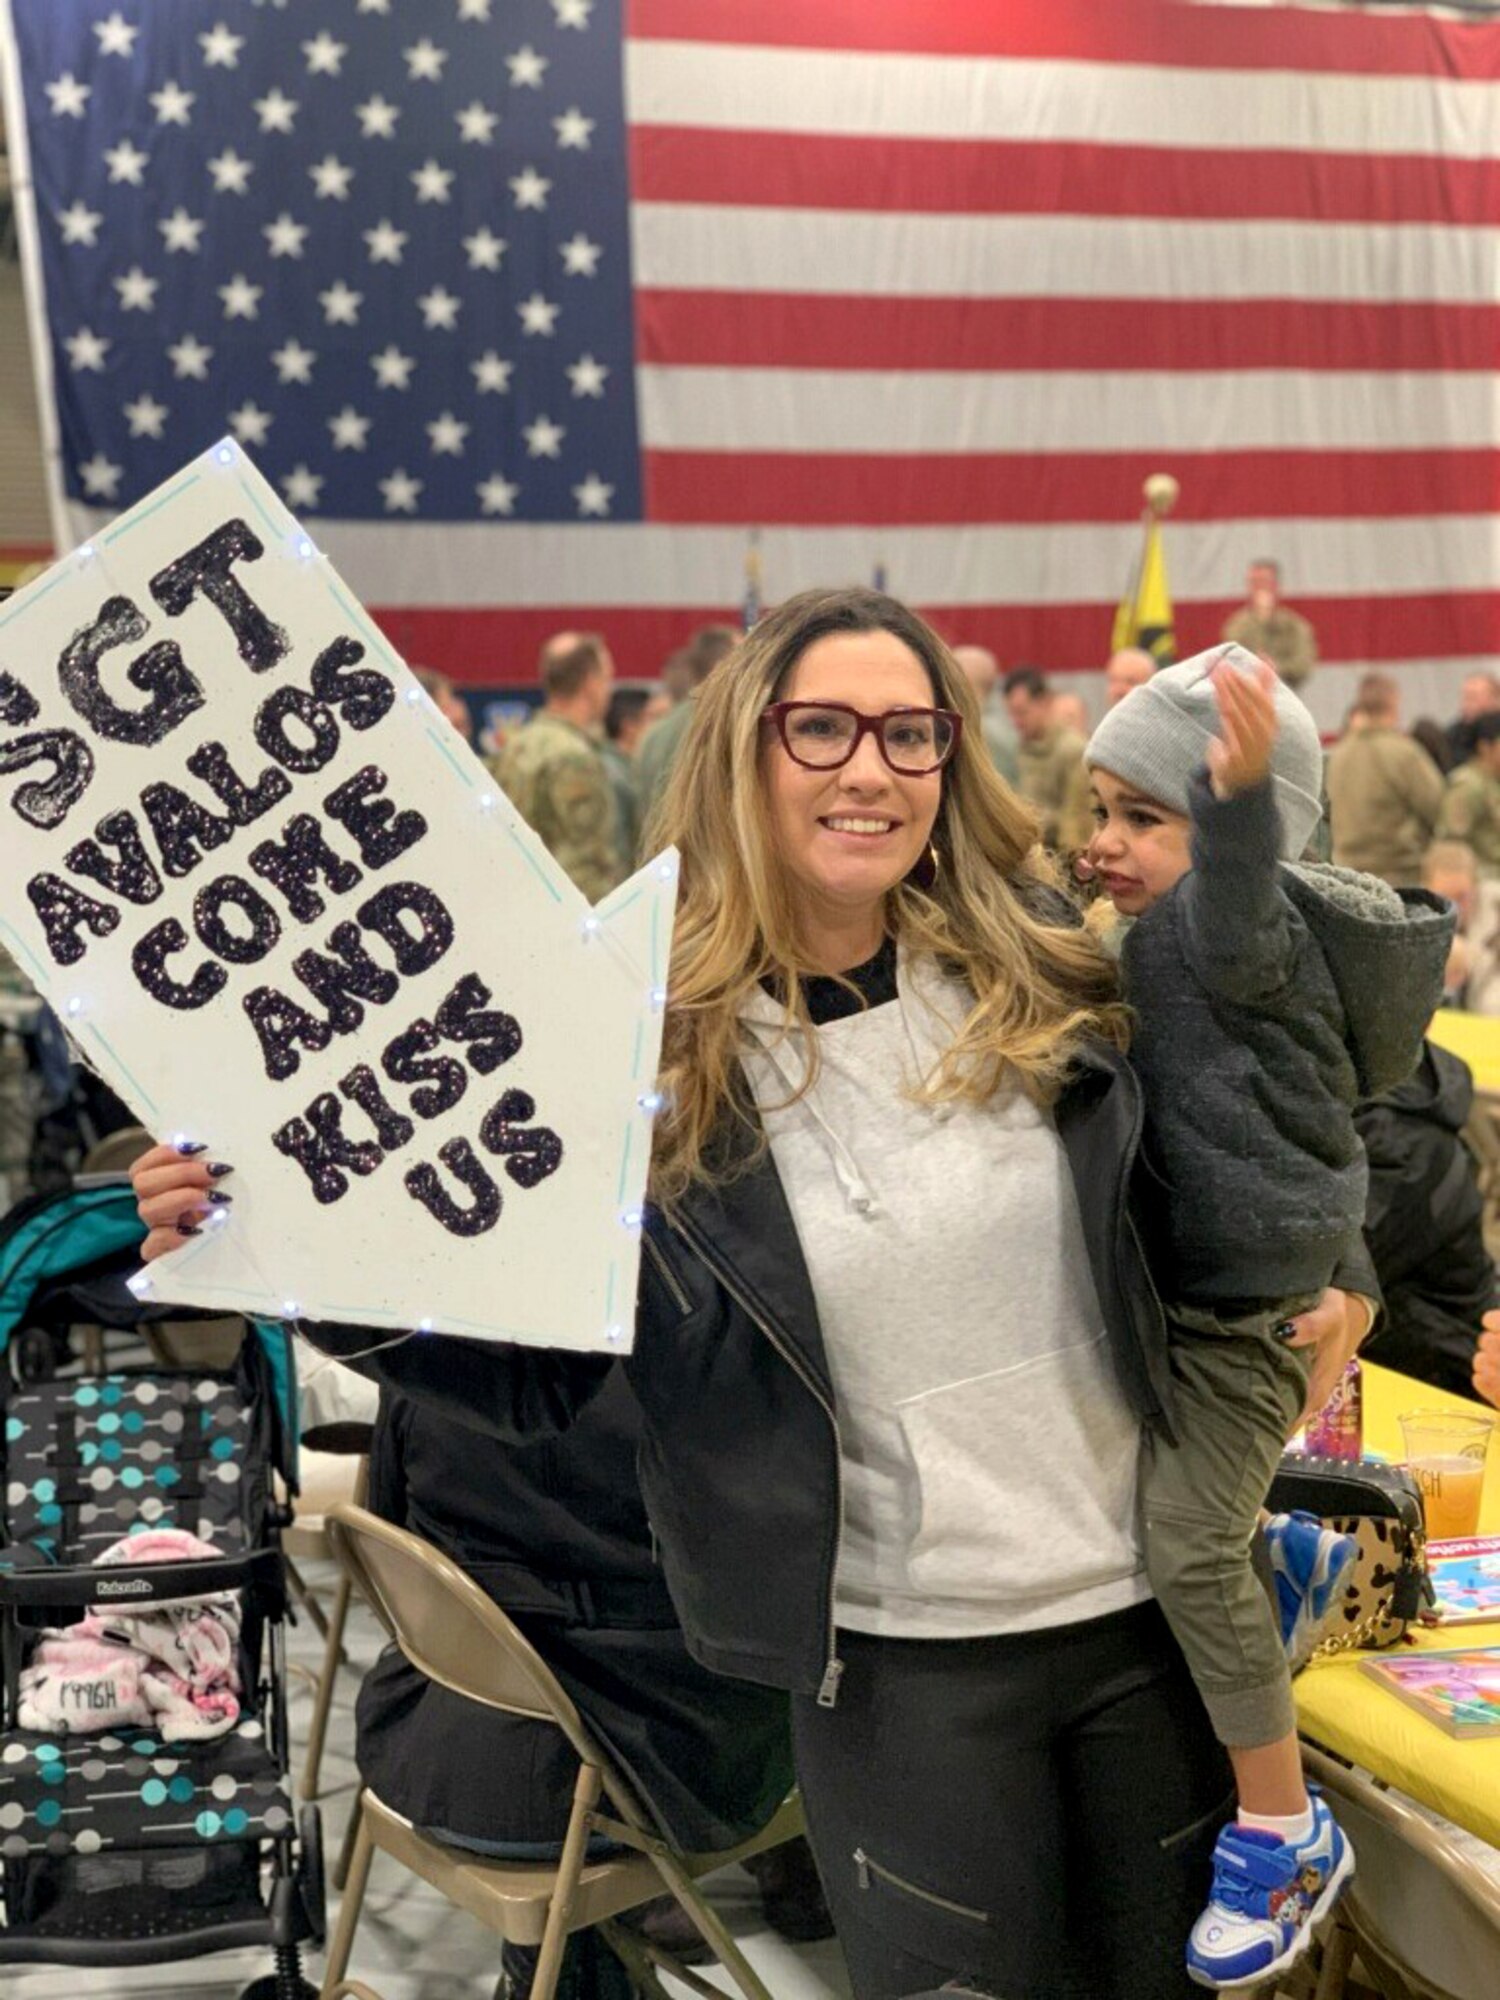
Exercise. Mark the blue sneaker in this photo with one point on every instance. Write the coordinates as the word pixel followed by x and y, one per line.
pixel 1310 1564
pixel 1267 1896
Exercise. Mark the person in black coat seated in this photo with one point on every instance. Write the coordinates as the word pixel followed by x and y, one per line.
pixel 557 1534
pixel 1424 1224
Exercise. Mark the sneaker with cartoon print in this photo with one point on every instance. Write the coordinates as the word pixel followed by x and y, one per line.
pixel 1267 1896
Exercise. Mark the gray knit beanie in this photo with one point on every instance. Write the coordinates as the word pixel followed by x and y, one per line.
pixel 1157 737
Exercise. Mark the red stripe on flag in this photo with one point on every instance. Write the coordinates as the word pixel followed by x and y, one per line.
pixel 682 163
pixel 933 488
pixel 838 330
pixel 1143 31
pixel 489 647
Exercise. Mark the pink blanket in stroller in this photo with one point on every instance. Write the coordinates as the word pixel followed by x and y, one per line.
pixel 170 1666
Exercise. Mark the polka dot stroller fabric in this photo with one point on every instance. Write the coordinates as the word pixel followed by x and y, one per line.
pixel 105 1832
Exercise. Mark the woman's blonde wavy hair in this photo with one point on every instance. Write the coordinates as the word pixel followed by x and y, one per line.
pixel 1039 986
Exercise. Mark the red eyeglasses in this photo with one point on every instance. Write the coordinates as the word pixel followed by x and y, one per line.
pixel 822 735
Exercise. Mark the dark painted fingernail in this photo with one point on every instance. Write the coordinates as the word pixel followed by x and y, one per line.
pixel 1285 1330
pixel 189 1147
pixel 218 1197
pixel 186 1226
pixel 217 1169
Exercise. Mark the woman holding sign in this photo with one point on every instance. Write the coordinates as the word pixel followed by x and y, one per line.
pixel 895 1337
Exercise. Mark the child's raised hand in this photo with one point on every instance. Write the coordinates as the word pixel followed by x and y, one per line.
pixel 1240 756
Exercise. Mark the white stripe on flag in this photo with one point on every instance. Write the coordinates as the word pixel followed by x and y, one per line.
pixel 736 249
pixel 732 87
pixel 466 565
pixel 829 410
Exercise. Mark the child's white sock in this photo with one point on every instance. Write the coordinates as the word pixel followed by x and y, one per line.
pixel 1293 1828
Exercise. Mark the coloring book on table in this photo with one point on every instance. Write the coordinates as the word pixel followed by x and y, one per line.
pixel 1466 1579
pixel 1459 1691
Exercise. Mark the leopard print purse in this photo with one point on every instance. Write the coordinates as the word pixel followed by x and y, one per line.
pixel 1379 1505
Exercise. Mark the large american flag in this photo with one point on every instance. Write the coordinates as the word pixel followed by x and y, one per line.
pixel 538 311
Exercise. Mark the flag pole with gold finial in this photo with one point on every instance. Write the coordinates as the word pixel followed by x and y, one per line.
pixel 1144 618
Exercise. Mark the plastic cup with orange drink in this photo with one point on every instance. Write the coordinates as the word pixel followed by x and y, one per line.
pixel 1445 1453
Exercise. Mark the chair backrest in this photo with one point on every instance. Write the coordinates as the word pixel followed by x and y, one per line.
pixel 117 1152
pixel 456 1635
pixel 1415 1895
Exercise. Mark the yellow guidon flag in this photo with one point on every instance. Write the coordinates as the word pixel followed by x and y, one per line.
pixel 1144 617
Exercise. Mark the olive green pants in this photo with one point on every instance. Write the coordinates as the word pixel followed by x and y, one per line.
pixel 1238 1393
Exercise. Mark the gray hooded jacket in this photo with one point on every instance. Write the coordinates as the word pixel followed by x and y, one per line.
pixel 1269 1000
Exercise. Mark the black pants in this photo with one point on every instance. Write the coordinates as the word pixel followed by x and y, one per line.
pixel 1034 1815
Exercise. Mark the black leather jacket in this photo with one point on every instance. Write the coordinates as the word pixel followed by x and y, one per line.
pixel 740 1462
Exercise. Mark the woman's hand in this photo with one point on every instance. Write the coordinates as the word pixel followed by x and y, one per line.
pixel 1335 1326
pixel 1487 1360
pixel 174 1191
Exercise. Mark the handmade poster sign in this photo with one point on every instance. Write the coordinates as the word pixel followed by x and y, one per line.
pixel 284 910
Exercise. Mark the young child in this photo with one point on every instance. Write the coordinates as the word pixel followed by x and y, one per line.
pixel 1268 998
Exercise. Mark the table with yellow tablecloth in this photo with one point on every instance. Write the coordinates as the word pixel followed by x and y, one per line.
pixel 1346 1711
pixel 1475 1039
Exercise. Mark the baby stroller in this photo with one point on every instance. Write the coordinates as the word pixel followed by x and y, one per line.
pixel 123 1848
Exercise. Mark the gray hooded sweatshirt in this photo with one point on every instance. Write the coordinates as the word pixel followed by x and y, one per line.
pixel 1269 999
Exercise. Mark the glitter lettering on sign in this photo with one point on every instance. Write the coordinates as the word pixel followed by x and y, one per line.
pixel 208 569
pixel 160 672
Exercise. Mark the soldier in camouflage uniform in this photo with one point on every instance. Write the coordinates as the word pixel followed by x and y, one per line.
pixel 552 770
pixel 1471 804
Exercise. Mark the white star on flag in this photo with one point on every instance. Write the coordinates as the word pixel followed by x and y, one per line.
pixel 401 492
pixel 190 358
pixel 221 49
pixel 587 376
pixel 137 291
pixel 424 61
pixel 485 250
pixel 241 298
pixel 448 435
pixel 392 368
pixel 349 429
pixel 374 6
pixel 473 10
pixel 491 374
pixel 173 104
pixel 527 68
pixel 302 486
pixel 250 423
pixel 126 163
pixel 293 362
pixel 580 257
pixel 439 309
pixel 385 241
pixel 537 315
pixel 276 111
pixel 432 182
pixel 69 96
pixel 331 178
pixel 145 416
pixel 530 189
pixel 86 350
pixel 543 438
pixel 79 224
pixel 231 172
pixel 572 13
pixel 100 477
pixel 476 125
pixel 573 129
pixel 377 118
pixel 284 237
pixel 116 35
pixel 593 496
pixel 180 231
pixel 324 55
pixel 497 495
pixel 341 304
